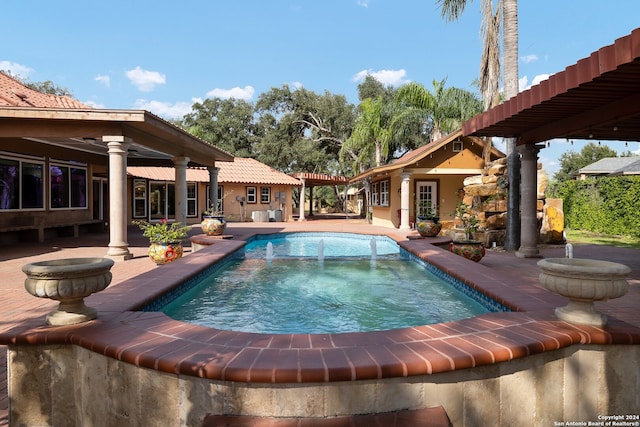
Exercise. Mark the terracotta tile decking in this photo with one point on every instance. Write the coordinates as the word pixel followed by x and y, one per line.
pixel 153 340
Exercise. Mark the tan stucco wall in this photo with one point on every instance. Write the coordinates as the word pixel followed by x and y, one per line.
pixel 443 166
pixel 234 211
pixel 69 385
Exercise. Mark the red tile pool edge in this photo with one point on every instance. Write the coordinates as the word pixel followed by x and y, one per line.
pixel 154 341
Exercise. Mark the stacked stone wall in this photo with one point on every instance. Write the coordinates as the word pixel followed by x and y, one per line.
pixel 486 197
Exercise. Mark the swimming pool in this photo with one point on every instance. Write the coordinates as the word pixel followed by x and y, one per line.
pixel 367 287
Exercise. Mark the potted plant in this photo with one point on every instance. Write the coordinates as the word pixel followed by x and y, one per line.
pixel 427 223
pixel 165 239
pixel 213 222
pixel 468 247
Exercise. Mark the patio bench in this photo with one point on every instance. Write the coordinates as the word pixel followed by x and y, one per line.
pixel 68 227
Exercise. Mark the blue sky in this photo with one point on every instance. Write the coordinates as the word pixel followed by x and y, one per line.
pixel 162 55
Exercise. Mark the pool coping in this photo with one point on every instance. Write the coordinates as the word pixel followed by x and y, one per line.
pixel 153 340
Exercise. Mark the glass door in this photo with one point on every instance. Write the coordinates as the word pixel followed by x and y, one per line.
pixel 426 197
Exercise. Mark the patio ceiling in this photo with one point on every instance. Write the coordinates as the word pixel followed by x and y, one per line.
pixel 597 98
pixel 154 141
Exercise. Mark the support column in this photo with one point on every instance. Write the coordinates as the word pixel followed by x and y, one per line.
pixel 213 187
pixel 528 203
pixel 180 167
pixel 118 149
pixel 302 190
pixel 404 201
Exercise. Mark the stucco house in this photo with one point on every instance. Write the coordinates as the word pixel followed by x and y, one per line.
pixel 248 190
pixel 66 168
pixel 63 165
pixel 431 174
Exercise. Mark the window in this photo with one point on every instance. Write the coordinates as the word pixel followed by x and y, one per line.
pixel 139 198
pixel 21 184
pixel 68 186
pixel 374 194
pixel 251 195
pixel 220 207
pixel 192 200
pixel 384 193
pixel 265 194
pixel 162 200
pixel 457 146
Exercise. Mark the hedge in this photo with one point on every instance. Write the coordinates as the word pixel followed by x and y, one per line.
pixel 602 205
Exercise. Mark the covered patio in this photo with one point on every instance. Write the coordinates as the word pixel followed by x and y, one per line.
pixel 598 98
pixel 106 141
pixel 312 180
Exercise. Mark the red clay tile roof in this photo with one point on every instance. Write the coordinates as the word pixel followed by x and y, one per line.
pixel 15 94
pixel 241 170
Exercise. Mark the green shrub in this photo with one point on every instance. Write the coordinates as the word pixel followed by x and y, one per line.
pixel 602 205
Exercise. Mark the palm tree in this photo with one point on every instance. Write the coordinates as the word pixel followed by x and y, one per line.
pixel 445 109
pixel 451 10
pixel 371 135
pixel 490 26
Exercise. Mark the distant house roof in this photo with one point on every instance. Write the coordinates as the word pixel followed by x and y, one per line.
pixel 613 166
pixel 15 94
pixel 240 171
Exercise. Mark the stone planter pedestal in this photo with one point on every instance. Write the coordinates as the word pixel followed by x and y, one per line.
pixel 583 281
pixel 69 281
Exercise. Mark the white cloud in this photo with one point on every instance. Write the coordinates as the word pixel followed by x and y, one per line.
pixel 523 83
pixel 529 58
pixel 15 69
pixel 95 104
pixel 386 77
pixel 105 80
pixel 164 109
pixel 145 80
pixel 540 77
pixel 363 3
pixel 297 85
pixel 245 93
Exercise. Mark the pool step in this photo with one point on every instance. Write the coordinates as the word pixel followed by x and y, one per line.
pixel 428 417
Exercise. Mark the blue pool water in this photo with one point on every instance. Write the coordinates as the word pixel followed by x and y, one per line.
pixel 287 245
pixel 295 291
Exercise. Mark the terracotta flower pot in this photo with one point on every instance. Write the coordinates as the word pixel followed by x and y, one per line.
pixel 470 249
pixel 428 227
pixel 213 225
pixel 165 252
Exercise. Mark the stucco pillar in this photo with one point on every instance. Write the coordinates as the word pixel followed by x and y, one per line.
pixel 404 201
pixel 180 167
pixel 302 190
pixel 528 203
pixel 118 149
pixel 213 187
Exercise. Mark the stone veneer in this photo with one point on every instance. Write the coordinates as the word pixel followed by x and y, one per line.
pixel 70 385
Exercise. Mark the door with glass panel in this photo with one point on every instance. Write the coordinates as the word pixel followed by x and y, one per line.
pixel 426 196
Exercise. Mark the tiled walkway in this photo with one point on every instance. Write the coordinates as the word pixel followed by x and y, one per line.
pixel 500 272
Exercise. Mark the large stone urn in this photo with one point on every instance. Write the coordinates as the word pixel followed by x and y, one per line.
pixel 583 281
pixel 69 281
